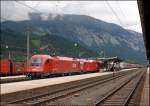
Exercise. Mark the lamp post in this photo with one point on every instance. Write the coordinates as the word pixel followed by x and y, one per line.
pixel 8 52
pixel 102 53
pixel 75 44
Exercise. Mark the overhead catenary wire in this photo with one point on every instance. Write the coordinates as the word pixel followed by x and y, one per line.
pixel 27 6
pixel 122 12
pixel 125 16
pixel 115 14
pixel 119 20
pixel 117 17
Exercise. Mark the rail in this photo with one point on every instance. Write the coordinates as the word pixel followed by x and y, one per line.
pixel 127 89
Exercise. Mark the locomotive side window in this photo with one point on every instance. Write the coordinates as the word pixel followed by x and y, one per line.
pixel 36 61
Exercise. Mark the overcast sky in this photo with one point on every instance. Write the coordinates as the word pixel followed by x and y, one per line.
pixel 123 13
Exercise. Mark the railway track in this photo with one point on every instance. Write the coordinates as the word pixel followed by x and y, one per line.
pixel 122 94
pixel 97 95
pixel 63 93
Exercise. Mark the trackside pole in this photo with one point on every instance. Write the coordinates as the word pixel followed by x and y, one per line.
pixel 113 69
pixel 149 65
pixel 28 48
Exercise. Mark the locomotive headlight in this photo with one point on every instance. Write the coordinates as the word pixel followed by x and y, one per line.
pixel 34 69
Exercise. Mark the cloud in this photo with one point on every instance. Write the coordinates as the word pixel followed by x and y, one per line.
pixel 126 12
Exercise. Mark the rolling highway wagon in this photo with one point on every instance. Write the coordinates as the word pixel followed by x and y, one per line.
pixel 7 67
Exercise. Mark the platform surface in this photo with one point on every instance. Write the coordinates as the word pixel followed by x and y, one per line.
pixel 145 94
pixel 12 77
pixel 26 85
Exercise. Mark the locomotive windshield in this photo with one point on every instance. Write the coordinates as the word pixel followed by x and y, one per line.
pixel 36 61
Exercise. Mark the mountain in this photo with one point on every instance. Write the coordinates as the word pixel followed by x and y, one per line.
pixel 45 44
pixel 92 34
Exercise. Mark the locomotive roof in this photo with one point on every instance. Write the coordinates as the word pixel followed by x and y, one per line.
pixel 42 55
pixel 64 58
pixel 60 57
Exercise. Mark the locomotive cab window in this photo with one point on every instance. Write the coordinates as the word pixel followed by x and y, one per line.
pixel 36 61
pixel 47 61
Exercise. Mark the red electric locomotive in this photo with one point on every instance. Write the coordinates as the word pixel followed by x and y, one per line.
pixel 44 65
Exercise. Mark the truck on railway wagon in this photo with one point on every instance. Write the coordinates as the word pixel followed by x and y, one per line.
pixel 46 65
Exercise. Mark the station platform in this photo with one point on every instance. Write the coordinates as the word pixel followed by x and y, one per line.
pixel 9 79
pixel 26 85
pixel 145 100
pixel 12 77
